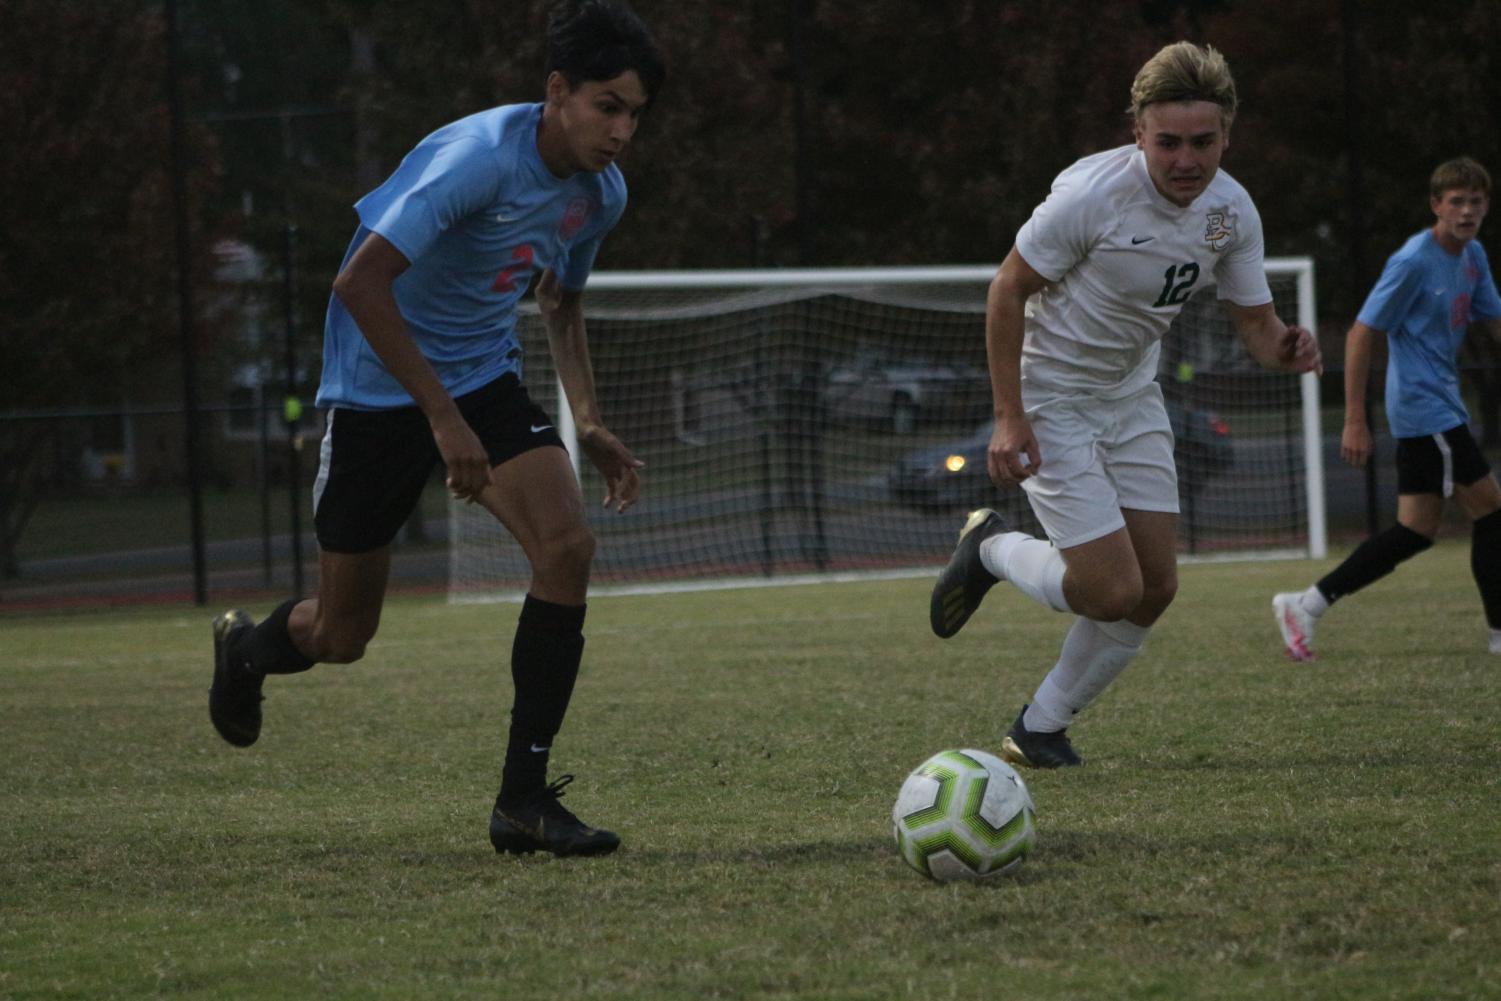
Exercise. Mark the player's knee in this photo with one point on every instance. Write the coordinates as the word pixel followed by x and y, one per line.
pixel 343 643
pixel 578 549
pixel 1117 606
pixel 1113 599
pixel 568 554
pixel 345 653
pixel 1157 595
pixel 1425 525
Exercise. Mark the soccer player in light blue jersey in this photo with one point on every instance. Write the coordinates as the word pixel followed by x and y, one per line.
pixel 1430 293
pixel 422 365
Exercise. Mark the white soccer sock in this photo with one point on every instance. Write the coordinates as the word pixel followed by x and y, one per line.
pixel 1033 565
pixel 1313 601
pixel 1094 653
pixel 994 550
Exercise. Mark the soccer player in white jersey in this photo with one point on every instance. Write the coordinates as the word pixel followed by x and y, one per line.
pixel 1428 295
pixel 1073 330
pixel 422 365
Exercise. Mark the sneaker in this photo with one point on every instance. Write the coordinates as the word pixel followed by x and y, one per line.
pixel 234 701
pixel 541 823
pixel 965 580
pixel 1038 750
pixel 1495 646
pixel 1296 625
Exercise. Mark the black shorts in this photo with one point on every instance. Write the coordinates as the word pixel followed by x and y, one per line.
pixel 1433 463
pixel 374 464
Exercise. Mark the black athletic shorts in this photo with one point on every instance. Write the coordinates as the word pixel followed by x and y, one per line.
pixel 374 464
pixel 1433 463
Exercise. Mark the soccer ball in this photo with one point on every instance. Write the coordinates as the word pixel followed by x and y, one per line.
pixel 964 815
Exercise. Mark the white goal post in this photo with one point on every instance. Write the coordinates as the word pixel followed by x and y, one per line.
pixel 823 424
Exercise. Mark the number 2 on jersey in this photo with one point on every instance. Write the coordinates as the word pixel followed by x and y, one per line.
pixel 1177 281
pixel 504 281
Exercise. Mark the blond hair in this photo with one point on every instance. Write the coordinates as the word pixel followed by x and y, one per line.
pixel 1461 172
pixel 1185 72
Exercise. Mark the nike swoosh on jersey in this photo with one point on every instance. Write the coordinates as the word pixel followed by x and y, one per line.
pixel 1141 239
pixel 539 428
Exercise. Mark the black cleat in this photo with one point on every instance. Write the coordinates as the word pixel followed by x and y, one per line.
pixel 965 580
pixel 234 701
pixel 541 823
pixel 1038 750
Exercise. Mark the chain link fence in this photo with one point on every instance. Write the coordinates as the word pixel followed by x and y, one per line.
pixel 97 507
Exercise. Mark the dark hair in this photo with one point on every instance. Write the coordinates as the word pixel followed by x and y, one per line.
pixel 1460 173
pixel 599 40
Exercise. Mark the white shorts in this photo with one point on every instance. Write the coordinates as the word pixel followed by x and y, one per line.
pixel 1099 456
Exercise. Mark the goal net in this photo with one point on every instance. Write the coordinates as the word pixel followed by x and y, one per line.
pixel 828 422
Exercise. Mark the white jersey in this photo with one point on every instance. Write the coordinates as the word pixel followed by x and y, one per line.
pixel 1122 260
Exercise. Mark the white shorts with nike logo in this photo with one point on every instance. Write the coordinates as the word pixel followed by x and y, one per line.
pixel 1099 456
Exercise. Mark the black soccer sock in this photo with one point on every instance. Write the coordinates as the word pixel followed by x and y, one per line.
pixel 1373 559
pixel 269 648
pixel 545 660
pixel 1485 564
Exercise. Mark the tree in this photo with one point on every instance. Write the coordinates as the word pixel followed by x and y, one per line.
pixel 931 133
pixel 87 264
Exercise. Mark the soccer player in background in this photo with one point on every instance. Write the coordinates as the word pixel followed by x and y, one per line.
pixel 1424 302
pixel 422 365
pixel 1074 322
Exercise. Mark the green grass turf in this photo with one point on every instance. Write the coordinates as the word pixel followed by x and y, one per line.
pixel 1245 828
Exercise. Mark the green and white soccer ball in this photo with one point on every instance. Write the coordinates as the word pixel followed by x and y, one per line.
pixel 964 815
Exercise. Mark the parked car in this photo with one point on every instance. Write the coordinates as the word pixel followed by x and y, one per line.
pixel 897 396
pixel 953 474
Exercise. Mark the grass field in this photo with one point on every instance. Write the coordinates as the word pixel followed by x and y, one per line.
pixel 1245 828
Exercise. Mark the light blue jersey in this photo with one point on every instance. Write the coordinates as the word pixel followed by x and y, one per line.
pixel 1424 302
pixel 476 212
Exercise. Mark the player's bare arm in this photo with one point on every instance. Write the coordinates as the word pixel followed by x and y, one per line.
pixel 563 315
pixel 1012 441
pixel 1274 344
pixel 1355 441
pixel 364 287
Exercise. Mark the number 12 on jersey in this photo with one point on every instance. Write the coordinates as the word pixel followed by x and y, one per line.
pixel 1178 280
